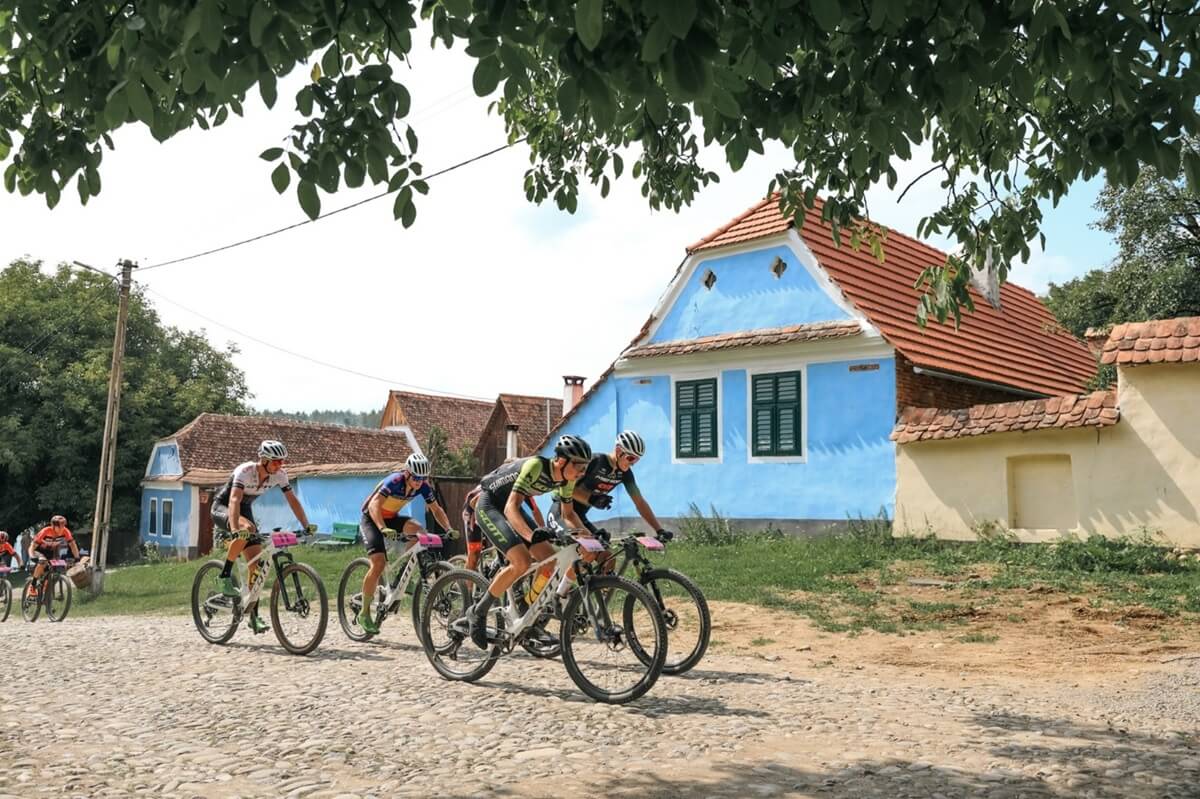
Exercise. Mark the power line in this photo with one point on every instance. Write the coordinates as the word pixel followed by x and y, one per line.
pixel 309 358
pixel 381 195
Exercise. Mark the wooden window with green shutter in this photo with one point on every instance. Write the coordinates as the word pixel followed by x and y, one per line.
pixel 775 414
pixel 696 418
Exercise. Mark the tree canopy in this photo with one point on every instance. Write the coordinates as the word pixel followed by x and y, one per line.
pixel 56 335
pixel 445 461
pixel 1014 101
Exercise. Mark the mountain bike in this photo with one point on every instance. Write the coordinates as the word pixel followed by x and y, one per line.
pixel 608 625
pixel 299 604
pixel 5 593
pixel 419 560
pixel 683 606
pixel 52 590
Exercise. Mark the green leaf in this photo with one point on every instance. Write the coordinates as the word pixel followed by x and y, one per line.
pixel 403 200
pixel 409 216
pixel 828 13
pixel 93 179
pixel 268 88
pixel 330 63
pixel 656 106
pixel 260 18
pixel 679 16
pixel 304 101
pixel 403 101
pixel 355 174
pixel 82 187
pixel 280 178
pixel 487 76
pixel 10 178
pixel 568 99
pixel 212 26
pixel 1191 168
pixel 316 73
pixel 306 192
pixel 589 22
pixel 139 101
pixel 658 39
pixel 271 154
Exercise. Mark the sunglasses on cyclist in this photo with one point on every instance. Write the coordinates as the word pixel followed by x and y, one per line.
pixel 629 458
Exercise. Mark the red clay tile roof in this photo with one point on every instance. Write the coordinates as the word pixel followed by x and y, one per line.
pixel 749 338
pixel 461 419
pixel 1021 345
pixel 1166 341
pixel 533 416
pixel 221 442
pixel 217 477
pixel 1098 409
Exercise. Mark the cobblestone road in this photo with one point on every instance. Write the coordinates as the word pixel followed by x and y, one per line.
pixel 141 706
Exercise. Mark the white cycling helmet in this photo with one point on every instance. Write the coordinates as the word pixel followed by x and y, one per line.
pixel 272 451
pixel 632 443
pixel 417 465
pixel 3 536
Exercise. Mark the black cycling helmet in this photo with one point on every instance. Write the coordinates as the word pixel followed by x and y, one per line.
pixel 573 448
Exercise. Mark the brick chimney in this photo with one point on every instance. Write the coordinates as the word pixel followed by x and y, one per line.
pixel 1095 337
pixel 510 441
pixel 572 391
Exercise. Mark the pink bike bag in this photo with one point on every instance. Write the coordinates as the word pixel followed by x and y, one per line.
pixel 650 542
pixel 4 570
pixel 429 540
pixel 590 544
pixel 284 539
pixel 58 564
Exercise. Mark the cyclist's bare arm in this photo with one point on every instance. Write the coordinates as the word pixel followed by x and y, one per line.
pixel 236 522
pixel 440 515
pixel 572 518
pixel 537 512
pixel 512 512
pixel 581 494
pixel 294 502
pixel 643 508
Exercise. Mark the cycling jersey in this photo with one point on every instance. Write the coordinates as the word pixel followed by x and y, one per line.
pixel 528 476
pixel 6 553
pixel 395 493
pixel 604 474
pixel 245 477
pixel 52 539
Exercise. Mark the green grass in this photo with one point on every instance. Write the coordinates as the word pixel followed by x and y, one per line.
pixel 166 587
pixel 845 583
pixel 978 638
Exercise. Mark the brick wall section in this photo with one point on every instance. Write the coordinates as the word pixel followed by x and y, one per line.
pixel 927 391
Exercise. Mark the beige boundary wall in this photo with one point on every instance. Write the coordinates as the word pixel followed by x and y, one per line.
pixel 1141 473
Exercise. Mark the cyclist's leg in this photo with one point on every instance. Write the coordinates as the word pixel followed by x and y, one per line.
pixel 220 518
pixel 376 546
pixel 506 540
pixel 471 531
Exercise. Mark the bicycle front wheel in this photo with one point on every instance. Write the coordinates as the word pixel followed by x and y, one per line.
pixel 5 599
pixel 31 606
pixel 350 600
pixel 608 625
pixel 421 587
pixel 59 592
pixel 685 612
pixel 299 608
pixel 216 615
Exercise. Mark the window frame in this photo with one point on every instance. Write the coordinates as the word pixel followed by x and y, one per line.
pixel 778 369
pixel 718 413
pixel 162 517
pixel 152 521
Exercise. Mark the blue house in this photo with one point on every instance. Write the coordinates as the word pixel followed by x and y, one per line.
pixel 332 470
pixel 768 378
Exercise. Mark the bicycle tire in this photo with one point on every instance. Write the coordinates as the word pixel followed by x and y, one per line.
pixel 676 666
pixel 604 587
pixel 347 615
pixel 58 605
pixel 420 587
pixel 202 624
pixel 293 647
pixel 443 598
pixel 30 608
pixel 5 599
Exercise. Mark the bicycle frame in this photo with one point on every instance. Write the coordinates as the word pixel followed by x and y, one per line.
pixel 563 560
pixel 631 553
pixel 397 579
pixel 275 547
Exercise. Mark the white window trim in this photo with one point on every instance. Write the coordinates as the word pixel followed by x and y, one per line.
pixel 802 368
pixel 162 514
pixel 152 521
pixel 707 374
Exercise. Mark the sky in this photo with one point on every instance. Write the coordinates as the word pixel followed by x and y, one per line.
pixel 435 306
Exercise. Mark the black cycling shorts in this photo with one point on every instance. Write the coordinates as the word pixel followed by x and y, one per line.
pixel 496 528
pixel 555 521
pixel 49 553
pixel 373 537
pixel 6 560
pixel 220 518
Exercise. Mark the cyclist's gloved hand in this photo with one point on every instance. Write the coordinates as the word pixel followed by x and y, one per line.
pixel 599 500
pixel 541 534
pixel 563 539
pixel 664 535
pixel 310 528
pixel 453 535
pixel 390 534
pixel 604 536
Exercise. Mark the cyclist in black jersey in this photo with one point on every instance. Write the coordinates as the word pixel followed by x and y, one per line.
pixel 603 475
pixel 509 528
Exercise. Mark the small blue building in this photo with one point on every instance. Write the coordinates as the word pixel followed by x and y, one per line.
pixel 768 379
pixel 332 470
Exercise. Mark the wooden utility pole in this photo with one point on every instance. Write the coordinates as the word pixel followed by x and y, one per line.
pixel 108 450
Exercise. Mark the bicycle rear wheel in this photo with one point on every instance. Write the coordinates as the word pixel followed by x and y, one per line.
pixel 31 606
pixel 685 612
pixel 59 593
pixel 350 599
pixel 216 615
pixel 608 625
pixel 444 625
pixel 299 608
pixel 5 599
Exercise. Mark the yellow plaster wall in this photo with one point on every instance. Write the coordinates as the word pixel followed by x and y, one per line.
pixel 1143 471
